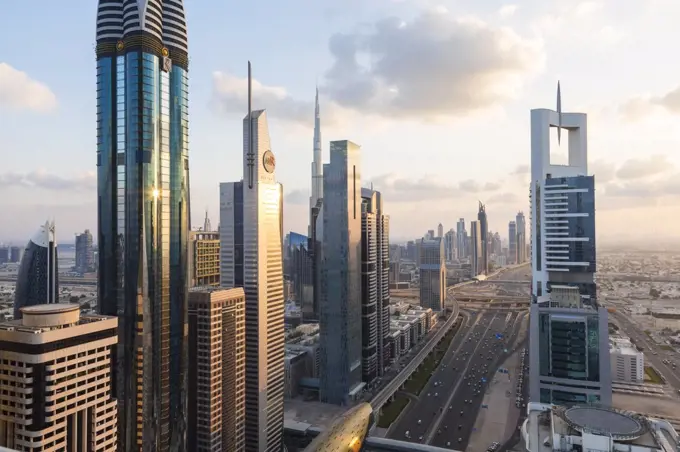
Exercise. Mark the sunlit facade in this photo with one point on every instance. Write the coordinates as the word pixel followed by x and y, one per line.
pixel 143 212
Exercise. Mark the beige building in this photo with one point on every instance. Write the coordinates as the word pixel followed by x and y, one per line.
pixel 216 407
pixel 204 255
pixel 55 375
pixel 627 363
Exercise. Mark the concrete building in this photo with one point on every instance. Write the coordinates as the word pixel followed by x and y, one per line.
pixel 627 363
pixel 432 274
pixel 216 389
pixel 461 239
pixel 56 381
pixel 512 243
pixel 204 258
pixel 340 307
pixel 483 255
pixel 521 252
pixel 476 249
pixel 251 248
pixel 440 231
pixel 84 253
pixel 450 245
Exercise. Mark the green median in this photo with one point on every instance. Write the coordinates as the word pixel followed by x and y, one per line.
pixel 391 410
pixel 652 376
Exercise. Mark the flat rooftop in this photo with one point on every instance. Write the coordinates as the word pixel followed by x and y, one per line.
pixel 316 414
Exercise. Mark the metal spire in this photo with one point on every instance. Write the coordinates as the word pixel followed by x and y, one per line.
pixel 250 158
pixel 559 113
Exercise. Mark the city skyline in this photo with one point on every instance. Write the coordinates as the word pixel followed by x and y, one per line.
pixel 629 175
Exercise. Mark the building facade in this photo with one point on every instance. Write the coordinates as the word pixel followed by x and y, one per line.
pixel 450 245
pixel 216 405
pixel 57 382
pixel 340 308
pixel 512 243
pixel 38 275
pixel 301 273
pixel 143 213
pixel 569 327
pixel 84 253
pixel 251 242
pixel 461 239
pixel 204 258
pixel 521 238
pixel 483 254
pixel 432 274
pixel 627 363
pixel 475 249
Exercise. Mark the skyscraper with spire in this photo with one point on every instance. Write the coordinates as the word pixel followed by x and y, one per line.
pixel 315 208
pixel 143 213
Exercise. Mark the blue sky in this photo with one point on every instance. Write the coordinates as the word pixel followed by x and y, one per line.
pixel 437 93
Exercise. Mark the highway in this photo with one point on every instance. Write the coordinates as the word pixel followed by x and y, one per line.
pixel 429 412
pixel 671 375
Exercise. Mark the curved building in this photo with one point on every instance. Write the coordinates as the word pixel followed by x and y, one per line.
pixel 37 280
pixel 143 213
pixel 347 433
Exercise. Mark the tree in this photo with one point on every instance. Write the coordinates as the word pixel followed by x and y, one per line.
pixel 74 299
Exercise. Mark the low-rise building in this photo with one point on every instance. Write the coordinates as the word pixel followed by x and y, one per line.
pixel 627 363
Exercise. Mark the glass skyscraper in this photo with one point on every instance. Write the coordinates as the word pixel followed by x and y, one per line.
pixel 143 213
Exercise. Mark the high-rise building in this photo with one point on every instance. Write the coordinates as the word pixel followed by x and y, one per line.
pixel 450 245
pixel 15 254
pixel 301 272
pixel 375 291
pixel 315 211
pixel 569 350
pixel 432 274
pixel 204 258
pixel 38 276
pixel 216 405
pixel 440 230
pixel 461 239
pixel 84 253
pixel 475 249
pixel 340 308
pixel 143 213
pixel 521 238
pixel 430 234
pixel 251 243
pixel 207 227
pixel 512 243
pixel 57 385
pixel 484 237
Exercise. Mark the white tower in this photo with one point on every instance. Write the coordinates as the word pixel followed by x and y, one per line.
pixel 317 164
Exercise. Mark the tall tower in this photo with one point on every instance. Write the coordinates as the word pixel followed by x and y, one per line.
pixel 315 212
pixel 512 243
pixel 484 237
pixel 461 239
pixel 317 164
pixel 521 238
pixel 475 249
pixel 143 213
pixel 569 350
pixel 251 248
pixel 432 267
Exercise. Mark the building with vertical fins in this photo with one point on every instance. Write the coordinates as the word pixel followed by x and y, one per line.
pixel 569 349
pixel 432 267
pixel 340 304
pixel 38 276
pixel 251 248
pixel 484 237
pixel 315 210
pixel 143 212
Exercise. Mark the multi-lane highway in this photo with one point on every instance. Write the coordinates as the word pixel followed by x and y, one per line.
pixel 456 385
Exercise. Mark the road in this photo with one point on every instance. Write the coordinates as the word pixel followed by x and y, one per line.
pixel 671 375
pixel 426 414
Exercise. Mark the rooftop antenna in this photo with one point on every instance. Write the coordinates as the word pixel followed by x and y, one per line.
pixel 559 114
pixel 250 158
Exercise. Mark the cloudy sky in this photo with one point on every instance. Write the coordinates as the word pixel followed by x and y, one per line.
pixel 437 93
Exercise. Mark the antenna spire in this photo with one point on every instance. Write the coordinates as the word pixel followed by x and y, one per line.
pixel 250 158
pixel 559 113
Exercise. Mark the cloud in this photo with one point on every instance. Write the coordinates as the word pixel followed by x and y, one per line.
pixel 44 180
pixel 20 92
pixel 650 190
pixel 502 198
pixel 431 67
pixel 297 197
pixel 521 170
pixel 507 10
pixel 641 106
pixel 639 168
pixel 602 170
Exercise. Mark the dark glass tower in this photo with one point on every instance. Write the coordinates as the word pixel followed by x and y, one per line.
pixel 143 212
pixel 37 281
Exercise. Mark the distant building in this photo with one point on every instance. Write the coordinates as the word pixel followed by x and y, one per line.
pixel 216 386
pixel 204 258
pixel 432 274
pixel 57 380
pixel 38 276
pixel 84 253
pixel 627 363
pixel 475 249
pixel 461 239
pixel 521 238
pixel 512 243
pixel 483 255
pixel 300 270
pixel 450 245
pixel 15 254
pixel 440 230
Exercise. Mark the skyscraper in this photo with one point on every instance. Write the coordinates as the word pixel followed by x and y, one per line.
pixel 461 239
pixel 432 267
pixel 84 253
pixel 569 350
pixel 440 230
pixel 251 241
pixel 375 290
pixel 143 213
pixel 38 276
pixel 450 245
pixel 512 243
pixel 315 210
pixel 340 303
pixel 521 238
pixel 475 249
pixel 484 237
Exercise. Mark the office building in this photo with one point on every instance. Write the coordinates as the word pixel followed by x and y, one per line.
pixel 251 247
pixel 432 274
pixel 216 394
pixel 461 239
pixel 375 293
pixel 204 258
pixel 450 245
pixel 15 254
pixel 430 234
pixel 440 231
pixel 626 362
pixel 484 237
pixel 84 253
pixel 475 249
pixel 512 243
pixel 315 210
pixel 521 238
pixel 569 352
pixel 38 276
pixel 143 213
pixel 340 307
pixel 56 380
pixel 301 273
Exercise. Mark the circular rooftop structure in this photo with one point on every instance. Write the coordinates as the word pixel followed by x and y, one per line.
pixel 50 315
pixel 620 425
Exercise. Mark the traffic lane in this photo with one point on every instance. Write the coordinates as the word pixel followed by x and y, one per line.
pixel 455 426
pixel 425 409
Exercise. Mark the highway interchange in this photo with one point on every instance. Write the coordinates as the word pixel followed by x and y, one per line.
pixel 434 417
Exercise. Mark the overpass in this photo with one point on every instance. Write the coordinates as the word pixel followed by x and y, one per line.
pixel 504 281
pixel 393 386
pixel 491 298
